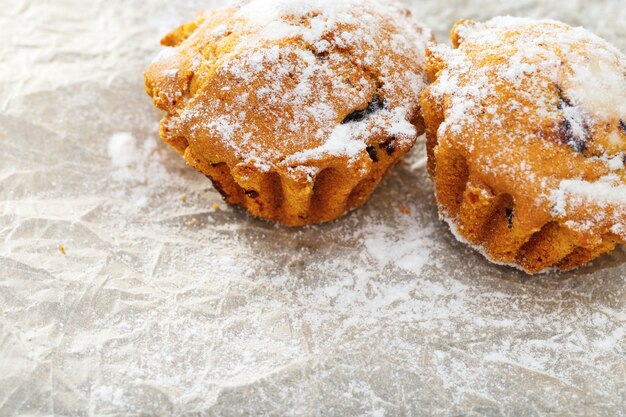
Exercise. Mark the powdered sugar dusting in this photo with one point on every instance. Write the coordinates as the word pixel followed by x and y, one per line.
pixel 122 150
pixel 296 70
pixel 186 306
pixel 583 77
pixel 133 161
pixel 342 141
pixel 593 78
pixel 166 54
pixel 607 192
pixel 541 66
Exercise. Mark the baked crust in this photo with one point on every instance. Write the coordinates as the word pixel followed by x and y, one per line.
pixel 295 111
pixel 526 141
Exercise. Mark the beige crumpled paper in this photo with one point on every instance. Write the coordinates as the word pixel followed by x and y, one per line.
pixel 128 288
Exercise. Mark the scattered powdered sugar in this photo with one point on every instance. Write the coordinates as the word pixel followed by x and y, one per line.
pixel 595 76
pixel 409 252
pixel 265 12
pixel 182 309
pixel 138 167
pixel 577 122
pixel 400 126
pixel 607 190
pixel 342 141
pixel 616 163
pixel 519 68
pixel 539 56
pixel 298 92
pixel 122 149
pixel 165 54
pixel 464 98
pixel 109 395
pixel 133 161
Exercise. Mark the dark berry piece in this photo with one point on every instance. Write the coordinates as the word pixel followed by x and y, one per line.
pixel 567 134
pixel 509 216
pixel 372 107
pixel 562 96
pixel 218 187
pixel 251 193
pixel 322 56
pixel 389 145
pixel 371 151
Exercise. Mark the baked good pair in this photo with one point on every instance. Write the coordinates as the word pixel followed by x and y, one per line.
pixel 297 110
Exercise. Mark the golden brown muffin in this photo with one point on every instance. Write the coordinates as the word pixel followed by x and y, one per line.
pixel 526 127
pixel 295 110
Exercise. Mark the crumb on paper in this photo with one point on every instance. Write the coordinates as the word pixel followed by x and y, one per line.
pixel 61 249
pixel 216 206
pixel 183 198
pixel 192 222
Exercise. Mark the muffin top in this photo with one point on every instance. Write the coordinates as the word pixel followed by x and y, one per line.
pixel 538 109
pixel 292 86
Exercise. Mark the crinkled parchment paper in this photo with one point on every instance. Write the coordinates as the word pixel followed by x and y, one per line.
pixel 167 302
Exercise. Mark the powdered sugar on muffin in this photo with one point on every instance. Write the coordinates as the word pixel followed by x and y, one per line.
pixel 293 87
pixel 533 112
pixel 336 35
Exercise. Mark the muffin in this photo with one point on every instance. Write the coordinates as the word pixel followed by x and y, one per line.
pixel 295 110
pixel 526 140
